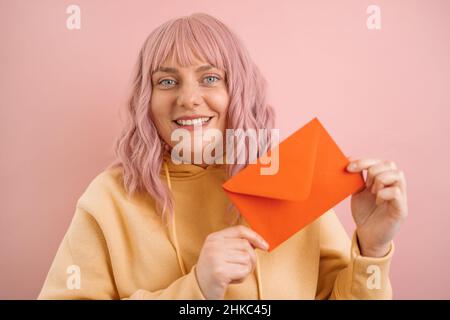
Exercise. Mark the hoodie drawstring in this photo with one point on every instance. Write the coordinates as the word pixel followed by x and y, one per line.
pixel 174 229
pixel 173 235
pixel 258 278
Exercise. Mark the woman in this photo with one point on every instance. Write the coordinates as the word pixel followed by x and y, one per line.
pixel 148 228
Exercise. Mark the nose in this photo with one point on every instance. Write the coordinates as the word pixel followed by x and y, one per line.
pixel 190 96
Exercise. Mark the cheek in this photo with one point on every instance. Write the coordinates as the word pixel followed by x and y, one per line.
pixel 219 102
pixel 159 106
pixel 161 115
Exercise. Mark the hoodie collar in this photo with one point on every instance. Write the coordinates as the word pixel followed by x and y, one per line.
pixel 187 169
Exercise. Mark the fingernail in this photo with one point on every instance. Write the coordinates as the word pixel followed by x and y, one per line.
pixel 351 166
pixel 265 245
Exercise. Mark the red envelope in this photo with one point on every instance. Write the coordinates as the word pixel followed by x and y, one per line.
pixel 311 179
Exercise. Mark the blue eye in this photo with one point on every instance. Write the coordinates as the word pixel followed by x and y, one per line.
pixel 161 82
pixel 209 77
pixel 167 84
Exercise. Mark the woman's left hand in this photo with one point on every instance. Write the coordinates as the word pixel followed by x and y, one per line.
pixel 380 208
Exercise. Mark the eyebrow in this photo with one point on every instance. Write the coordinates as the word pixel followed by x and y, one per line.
pixel 174 70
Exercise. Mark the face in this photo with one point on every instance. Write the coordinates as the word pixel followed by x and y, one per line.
pixel 190 98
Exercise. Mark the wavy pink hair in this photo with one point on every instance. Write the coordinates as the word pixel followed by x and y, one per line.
pixel 139 148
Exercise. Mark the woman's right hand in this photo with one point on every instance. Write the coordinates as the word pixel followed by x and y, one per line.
pixel 228 256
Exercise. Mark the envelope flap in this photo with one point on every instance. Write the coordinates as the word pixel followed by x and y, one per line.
pixel 293 181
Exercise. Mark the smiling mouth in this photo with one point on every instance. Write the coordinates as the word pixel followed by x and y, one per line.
pixel 192 122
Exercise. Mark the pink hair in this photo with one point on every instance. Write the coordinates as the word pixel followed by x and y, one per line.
pixel 139 149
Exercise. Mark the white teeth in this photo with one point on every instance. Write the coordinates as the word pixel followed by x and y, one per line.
pixel 192 121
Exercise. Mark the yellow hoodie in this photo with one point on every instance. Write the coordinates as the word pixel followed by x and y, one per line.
pixel 119 248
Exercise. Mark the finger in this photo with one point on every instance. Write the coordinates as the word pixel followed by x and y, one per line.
pixel 237 272
pixel 237 281
pixel 237 246
pixel 244 232
pixel 362 164
pixel 377 169
pixel 388 178
pixel 241 257
pixel 392 195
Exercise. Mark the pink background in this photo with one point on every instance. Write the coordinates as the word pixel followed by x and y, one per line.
pixel 381 93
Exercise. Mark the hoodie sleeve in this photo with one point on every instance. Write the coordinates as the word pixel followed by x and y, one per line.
pixel 184 288
pixel 82 269
pixel 343 272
